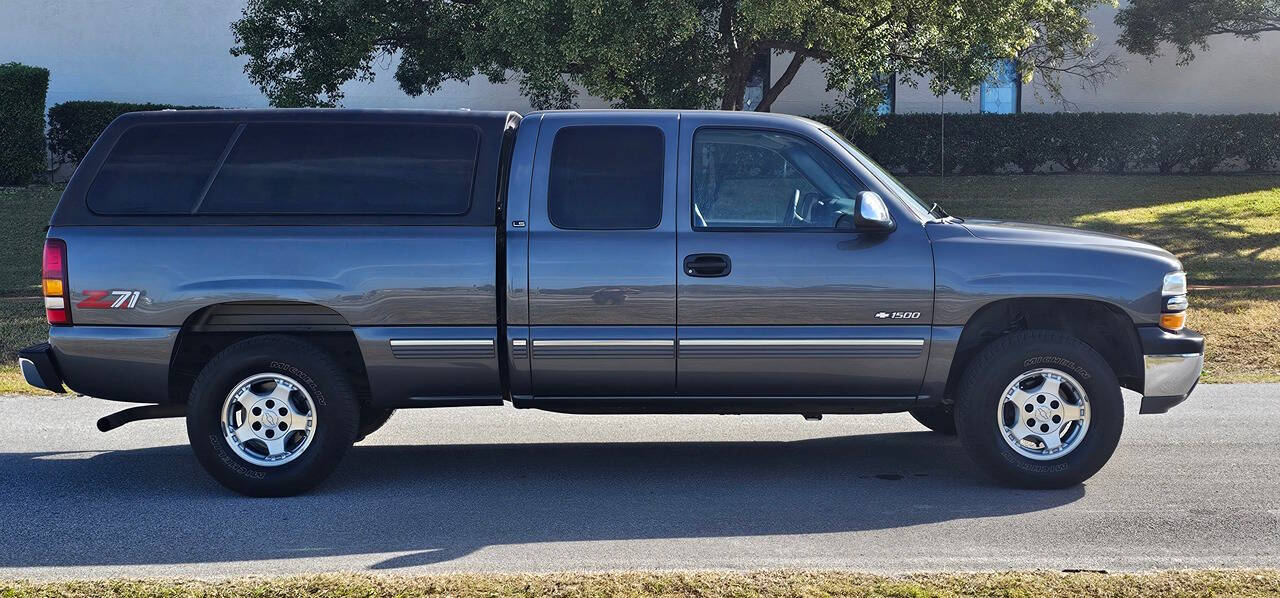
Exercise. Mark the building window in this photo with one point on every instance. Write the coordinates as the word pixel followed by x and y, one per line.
pixel 1001 92
pixel 757 81
pixel 888 85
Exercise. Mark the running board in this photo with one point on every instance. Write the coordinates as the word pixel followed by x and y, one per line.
pixel 481 401
pixel 810 407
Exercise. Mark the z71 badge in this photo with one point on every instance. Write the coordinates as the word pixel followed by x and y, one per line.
pixel 898 315
pixel 123 299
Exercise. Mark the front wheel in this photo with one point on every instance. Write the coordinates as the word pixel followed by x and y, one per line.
pixel 271 416
pixel 1040 409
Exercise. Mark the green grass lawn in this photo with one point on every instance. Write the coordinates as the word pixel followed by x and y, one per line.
pixel 24 215
pixel 706 584
pixel 1225 228
pixel 22 323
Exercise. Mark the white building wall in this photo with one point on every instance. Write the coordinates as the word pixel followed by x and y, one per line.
pixel 176 51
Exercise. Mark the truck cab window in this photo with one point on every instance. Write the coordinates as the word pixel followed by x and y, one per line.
pixel 606 178
pixel 766 180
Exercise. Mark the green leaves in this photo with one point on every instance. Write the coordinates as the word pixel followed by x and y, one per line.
pixel 651 54
pixel 1186 24
pixel 22 94
pixel 1113 142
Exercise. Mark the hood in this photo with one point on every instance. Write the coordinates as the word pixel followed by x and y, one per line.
pixel 1000 230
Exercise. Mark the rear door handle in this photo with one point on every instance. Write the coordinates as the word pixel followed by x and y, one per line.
pixel 707 265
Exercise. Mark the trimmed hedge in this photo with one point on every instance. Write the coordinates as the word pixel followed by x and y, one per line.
pixel 1073 142
pixel 22 95
pixel 74 126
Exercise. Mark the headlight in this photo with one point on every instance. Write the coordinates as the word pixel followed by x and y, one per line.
pixel 1174 296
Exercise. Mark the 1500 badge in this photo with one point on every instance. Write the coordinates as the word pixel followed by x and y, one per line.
pixel 898 315
pixel 123 299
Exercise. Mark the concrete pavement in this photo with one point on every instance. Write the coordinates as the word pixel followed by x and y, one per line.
pixel 500 489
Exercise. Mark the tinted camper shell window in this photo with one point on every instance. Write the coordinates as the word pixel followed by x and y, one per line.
pixel 292 167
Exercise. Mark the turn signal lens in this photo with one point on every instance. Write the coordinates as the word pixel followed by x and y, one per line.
pixel 52 287
pixel 54 283
pixel 1173 322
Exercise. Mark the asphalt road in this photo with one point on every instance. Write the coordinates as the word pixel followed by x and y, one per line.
pixel 499 489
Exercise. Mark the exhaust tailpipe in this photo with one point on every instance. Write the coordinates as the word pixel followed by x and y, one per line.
pixel 133 414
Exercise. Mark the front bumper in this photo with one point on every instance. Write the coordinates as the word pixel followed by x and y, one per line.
pixel 38 369
pixel 1172 362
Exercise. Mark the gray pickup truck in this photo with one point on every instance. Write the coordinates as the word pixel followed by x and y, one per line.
pixel 285 279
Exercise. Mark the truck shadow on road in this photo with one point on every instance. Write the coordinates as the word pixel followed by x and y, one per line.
pixel 442 502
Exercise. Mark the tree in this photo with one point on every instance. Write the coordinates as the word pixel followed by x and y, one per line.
pixel 656 54
pixel 1187 24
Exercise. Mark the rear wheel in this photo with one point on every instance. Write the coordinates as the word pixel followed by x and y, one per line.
pixel 271 416
pixel 1040 409
pixel 939 419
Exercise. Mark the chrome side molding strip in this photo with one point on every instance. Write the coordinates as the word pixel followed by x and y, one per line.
pixel 604 343
pixel 442 342
pixel 804 342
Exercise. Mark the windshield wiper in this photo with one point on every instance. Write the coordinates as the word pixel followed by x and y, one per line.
pixel 937 212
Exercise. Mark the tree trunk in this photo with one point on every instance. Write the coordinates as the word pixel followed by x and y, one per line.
pixel 783 81
pixel 735 80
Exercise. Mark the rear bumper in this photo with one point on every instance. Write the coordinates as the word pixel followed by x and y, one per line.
pixel 38 368
pixel 117 363
pixel 1172 362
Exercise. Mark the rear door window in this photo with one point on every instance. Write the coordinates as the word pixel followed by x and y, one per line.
pixel 347 168
pixel 606 177
pixel 158 169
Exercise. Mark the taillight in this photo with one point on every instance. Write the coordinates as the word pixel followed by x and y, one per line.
pixel 57 293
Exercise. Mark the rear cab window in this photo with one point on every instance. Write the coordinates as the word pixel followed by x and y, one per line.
pixel 606 177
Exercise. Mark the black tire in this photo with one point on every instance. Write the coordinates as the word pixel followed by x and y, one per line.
pixel 939 419
pixel 336 414
pixel 999 364
pixel 372 418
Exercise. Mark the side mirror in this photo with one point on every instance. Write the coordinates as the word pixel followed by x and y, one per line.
pixel 869 215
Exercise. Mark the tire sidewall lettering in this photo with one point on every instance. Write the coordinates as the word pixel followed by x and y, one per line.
pixel 232 462
pixel 1028 465
pixel 316 394
pixel 1055 361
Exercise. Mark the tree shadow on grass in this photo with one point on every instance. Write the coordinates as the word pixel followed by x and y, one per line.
pixel 438 503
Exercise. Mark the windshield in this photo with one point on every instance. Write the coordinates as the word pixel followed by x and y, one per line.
pixel 913 201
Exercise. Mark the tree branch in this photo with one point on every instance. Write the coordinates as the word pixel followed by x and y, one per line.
pixel 790 46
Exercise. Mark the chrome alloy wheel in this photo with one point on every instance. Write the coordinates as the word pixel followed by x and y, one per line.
pixel 1043 414
pixel 268 419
